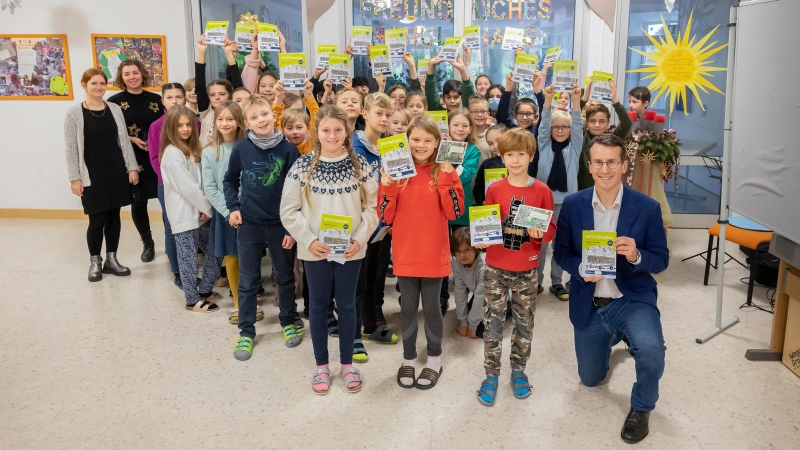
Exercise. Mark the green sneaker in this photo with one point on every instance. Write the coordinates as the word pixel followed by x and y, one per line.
pixel 243 348
pixel 292 337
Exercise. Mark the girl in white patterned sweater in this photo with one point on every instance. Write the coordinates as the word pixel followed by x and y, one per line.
pixel 332 179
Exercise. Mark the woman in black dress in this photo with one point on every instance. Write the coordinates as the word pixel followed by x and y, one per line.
pixel 102 170
pixel 140 108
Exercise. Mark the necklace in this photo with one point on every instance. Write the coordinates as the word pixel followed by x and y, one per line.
pixel 92 112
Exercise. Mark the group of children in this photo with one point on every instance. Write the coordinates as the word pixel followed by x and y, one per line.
pixel 250 167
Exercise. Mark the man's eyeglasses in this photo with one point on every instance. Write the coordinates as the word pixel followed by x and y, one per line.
pixel 480 112
pixel 613 164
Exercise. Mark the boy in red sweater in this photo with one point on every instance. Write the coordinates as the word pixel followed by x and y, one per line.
pixel 513 265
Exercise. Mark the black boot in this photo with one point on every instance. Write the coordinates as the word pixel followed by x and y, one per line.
pixel 636 426
pixel 149 251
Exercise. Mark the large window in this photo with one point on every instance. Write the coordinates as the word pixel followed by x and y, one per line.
pixel 547 23
pixel 700 131
pixel 286 14
pixel 427 24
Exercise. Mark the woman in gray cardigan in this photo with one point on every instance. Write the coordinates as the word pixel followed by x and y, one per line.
pixel 102 169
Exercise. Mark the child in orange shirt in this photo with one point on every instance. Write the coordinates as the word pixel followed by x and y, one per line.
pixel 290 118
pixel 418 209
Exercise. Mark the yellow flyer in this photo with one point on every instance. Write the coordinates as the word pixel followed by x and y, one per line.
pixel 361 38
pixel 396 157
pixel 525 67
pixel 338 67
pixel 601 87
pixel 449 50
pixel 485 225
pixel 472 36
pixel 381 62
pixel 293 70
pixel 216 30
pixel 268 40
pixel 493 176
pixel 422 66
pixel 335 231
pixel 244 36
pixel 396 40
pixel 441 118
pixel 565 74
pixel 552 54
pixel 323 54
pixel 512 38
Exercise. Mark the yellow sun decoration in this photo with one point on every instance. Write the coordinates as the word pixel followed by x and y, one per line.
pixel 678 64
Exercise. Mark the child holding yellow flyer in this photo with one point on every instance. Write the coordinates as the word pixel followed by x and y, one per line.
pixel 328 206
pixel 512 266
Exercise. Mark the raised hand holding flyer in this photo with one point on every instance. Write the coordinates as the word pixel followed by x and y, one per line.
pixel 525 67
pixel 601 87
pixel 472 36
pixel 493 176
pixel 293 70
pixel 396 40
pixel 323 54
pixel 451 151
pixel 268 40
pixel 216 30
pixel 512 38
pixel 449 50
pixel 565 74
pixel 441 118
pixel 532 217
pixel 396 157
pixel 552 54
pixel 361 39
pixel 381 62
pixel 485 226
pixel 335 231
pixel 338 67
pixel 599 254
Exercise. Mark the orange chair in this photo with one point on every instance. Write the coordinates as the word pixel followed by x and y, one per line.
pixel 746 238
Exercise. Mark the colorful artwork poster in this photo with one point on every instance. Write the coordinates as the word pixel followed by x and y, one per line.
pixel 34 67
pixel 110 51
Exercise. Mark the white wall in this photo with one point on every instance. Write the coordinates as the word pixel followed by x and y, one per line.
pixel 34 173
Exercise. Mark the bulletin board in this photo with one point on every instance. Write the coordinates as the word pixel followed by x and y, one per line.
pixel 34 67
pixel 110 50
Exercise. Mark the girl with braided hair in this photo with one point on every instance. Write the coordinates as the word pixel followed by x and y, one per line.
pixel 331 179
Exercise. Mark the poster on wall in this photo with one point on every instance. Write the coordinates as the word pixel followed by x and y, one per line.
pixel 34 67
pixel 110 50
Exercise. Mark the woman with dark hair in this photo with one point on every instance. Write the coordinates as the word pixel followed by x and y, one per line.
pixel 102 167
pixel 140 109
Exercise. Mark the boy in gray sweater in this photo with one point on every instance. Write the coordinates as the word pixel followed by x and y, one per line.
pixel 468 266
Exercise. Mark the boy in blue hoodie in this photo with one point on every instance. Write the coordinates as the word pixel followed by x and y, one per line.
pixel 258 165
pixel 378 108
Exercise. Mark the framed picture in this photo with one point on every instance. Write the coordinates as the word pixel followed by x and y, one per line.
pixel 110 50
pixel 34 67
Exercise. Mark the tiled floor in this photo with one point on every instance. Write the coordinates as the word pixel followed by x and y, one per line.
pixel 121 364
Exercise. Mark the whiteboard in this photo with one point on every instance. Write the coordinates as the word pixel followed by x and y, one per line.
pixel 765 141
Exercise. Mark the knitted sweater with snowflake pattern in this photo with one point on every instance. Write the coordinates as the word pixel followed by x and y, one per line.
pixel 334 189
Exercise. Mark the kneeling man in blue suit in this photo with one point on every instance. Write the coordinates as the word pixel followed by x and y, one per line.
pixel 604 311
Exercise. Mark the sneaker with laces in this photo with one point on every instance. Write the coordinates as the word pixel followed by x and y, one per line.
pixel 243 348
pixel 292 337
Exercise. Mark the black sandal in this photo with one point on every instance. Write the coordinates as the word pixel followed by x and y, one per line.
pixel 203 306
pixel 430 375
pixel 406 372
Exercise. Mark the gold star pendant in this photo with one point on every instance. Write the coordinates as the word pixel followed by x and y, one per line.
pixel 154 107
pixel 124 106
pixel 133 130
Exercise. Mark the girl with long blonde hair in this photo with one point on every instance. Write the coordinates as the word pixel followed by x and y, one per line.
pixel 418 209
pixel 333 180
pixel 188 209
pixel 228 128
